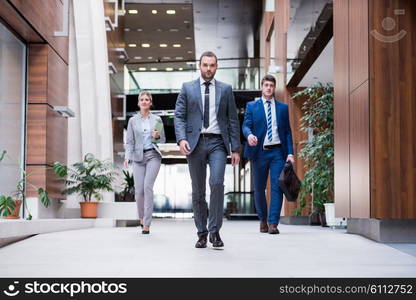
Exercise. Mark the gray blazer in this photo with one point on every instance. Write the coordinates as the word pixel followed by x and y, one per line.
pixel 189 117
pixel 134 141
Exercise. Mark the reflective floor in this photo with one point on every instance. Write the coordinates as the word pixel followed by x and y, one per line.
pixel 299 251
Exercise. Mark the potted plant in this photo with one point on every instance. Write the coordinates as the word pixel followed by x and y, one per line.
pixel 128 191
pixel 318 150
pixel 10 204
pixel 88 178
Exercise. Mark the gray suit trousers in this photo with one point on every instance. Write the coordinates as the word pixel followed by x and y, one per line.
pixel 145 173
pixel 209 151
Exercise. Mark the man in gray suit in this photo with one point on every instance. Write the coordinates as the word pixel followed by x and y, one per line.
pixel 206 125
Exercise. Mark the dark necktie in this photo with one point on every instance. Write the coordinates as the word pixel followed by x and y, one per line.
pixel 206 104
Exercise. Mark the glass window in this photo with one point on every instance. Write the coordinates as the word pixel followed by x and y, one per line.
pixel 12 108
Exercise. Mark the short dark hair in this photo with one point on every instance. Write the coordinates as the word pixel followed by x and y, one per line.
pixel 209 54
pixel 268 77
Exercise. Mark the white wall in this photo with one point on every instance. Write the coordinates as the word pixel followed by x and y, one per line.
pixel 89 87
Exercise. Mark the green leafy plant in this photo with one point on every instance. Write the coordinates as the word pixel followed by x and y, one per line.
pixel 128 184
pixel 7 203
pixel 318 151
pixel 88 177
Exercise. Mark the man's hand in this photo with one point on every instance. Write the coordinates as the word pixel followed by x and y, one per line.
pixel 252 140
pixel 235 158
pixel 291 158
pixel 126 164
pixel 184 147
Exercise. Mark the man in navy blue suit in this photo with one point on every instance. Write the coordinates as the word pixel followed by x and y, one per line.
pixel 269 145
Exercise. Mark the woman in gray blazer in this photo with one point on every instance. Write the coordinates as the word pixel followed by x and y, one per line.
pixel 144 131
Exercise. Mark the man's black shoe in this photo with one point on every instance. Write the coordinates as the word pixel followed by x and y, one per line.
pixel 215 239
pixel 202 241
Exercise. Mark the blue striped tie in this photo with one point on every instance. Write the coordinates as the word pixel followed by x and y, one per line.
pixel 269 121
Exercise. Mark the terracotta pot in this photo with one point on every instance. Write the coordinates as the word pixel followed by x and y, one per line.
pixel 15 213
pixel 88 209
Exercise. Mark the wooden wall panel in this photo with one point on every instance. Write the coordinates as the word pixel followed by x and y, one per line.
pixel 38 73
pixel 41 176
pixel 360 152
pixel 57 80
pixel 46 143
pixel 358 42
pixel 18 24
pixel 56 137
pixel 36 134
pixel 280 27
pixel 341 109
pixel 295 114
pixel 393 111
pixel 45 16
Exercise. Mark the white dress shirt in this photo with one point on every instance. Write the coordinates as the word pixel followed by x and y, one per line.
pixel 275 140
pixel 147 137
pixel 213 123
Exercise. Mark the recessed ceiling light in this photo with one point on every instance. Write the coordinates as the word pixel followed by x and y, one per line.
pixel 166 57
pixel 163 45
pixel 159 29
pixel 126 29
pixel 154 11
pixel 178 57
pixel 150 57
pixel 171 11
pixel 176 45
pixel 180 69
pixel 153 69
pixel 190 63
pixel 169 69
pixel 189 52
pixel 133 11
pixel 173 30
pixel 188 38
pixel 139 29
pixel 145 45
pixel 132 45
pixel 186 21
pixel 137 57
pixel 142 69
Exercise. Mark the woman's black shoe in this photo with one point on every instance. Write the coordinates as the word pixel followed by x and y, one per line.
pixel 145 231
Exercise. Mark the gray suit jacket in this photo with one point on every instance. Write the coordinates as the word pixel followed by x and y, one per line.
pixel 189 114
pixel 134 141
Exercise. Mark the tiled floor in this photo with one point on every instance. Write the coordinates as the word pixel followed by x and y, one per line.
pixel 299 251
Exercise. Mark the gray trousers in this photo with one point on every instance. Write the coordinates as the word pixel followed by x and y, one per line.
pixel 145 173
pixel 209 151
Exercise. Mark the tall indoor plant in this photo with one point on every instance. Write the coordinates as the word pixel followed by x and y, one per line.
pixel 318 150
pixel 88 178
pixel 10 204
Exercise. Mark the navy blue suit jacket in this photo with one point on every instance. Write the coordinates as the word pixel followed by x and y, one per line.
pixel 255 123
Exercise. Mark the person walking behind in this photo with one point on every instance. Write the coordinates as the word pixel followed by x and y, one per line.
pixel 206 124
pixel 144 131
pixel 267 130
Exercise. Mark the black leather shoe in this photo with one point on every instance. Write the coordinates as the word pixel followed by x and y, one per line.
pixel 264 227
pixel 202 241
pixel 145 231
pixel 273 229
pixel 215 239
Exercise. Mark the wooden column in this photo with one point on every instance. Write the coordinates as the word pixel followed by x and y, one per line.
pixel 375 111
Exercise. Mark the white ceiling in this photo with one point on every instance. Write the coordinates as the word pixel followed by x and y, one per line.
pixel 322 69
